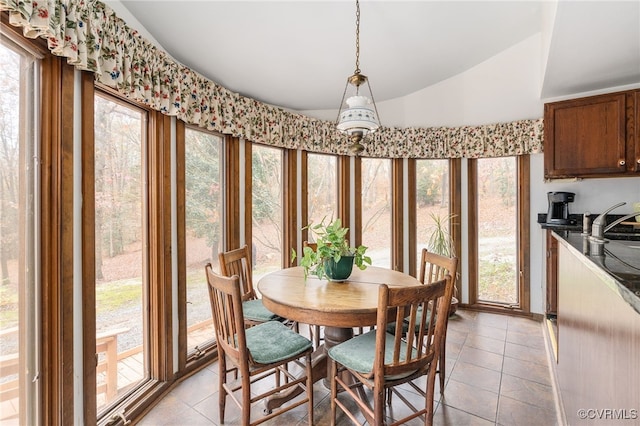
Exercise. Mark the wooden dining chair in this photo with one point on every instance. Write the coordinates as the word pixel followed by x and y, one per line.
pixel 434 267
pixel 256 353
pixel 380 361
pixel 238 262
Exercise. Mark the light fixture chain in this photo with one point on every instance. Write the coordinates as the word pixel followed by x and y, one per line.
pixel 357 71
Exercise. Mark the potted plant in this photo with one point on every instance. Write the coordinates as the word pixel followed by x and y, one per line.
pixel 333 257
pixel 441 242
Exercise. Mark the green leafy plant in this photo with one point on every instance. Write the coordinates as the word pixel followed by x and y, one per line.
pixel 331 244
pixel 440 240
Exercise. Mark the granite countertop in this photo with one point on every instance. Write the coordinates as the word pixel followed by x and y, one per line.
pixel 619 264
pixel 622 231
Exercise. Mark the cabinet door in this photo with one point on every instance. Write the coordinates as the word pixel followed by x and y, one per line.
pixel 552 274
pixel 634 145
pixel 585 137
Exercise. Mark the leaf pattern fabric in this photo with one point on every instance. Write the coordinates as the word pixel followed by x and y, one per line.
pixel 92 38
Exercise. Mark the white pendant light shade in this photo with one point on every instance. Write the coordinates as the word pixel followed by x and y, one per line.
pixel 360 116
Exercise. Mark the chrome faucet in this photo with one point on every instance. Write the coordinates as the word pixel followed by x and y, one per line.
pixel 598 228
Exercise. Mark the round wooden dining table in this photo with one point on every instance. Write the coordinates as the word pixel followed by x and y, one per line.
pixel 338 306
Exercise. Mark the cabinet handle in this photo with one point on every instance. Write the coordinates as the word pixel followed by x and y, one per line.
pixel 622 163
pixel 638 161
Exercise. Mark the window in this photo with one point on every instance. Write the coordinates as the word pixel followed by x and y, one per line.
pixel 203 223
pixel 266 207
pixel 121 248
pixel 322 188
pixel 19 243
pixel 495 201
pixel 376 210
pixel 432 201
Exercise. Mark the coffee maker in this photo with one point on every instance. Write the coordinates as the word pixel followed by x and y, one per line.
pixel 558 213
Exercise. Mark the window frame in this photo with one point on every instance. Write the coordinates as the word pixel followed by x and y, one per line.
pixel 288 163
pixel 29 219
pixel 156 158
pixel 189 361
pixel 522 235
pixel 455 212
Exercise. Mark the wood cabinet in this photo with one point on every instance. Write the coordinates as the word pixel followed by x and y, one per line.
pixel 598 346
pixel 634 140
pixel 597 136
pixel 552 275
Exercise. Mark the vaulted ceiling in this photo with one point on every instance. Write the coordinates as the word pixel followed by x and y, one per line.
pixel 298 54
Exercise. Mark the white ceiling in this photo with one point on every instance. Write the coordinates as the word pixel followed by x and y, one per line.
pixel 298 54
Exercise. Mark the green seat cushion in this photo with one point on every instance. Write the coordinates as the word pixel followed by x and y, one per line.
pixel 272 341
pixel 391 327
pixel 358 354
pixel 254 310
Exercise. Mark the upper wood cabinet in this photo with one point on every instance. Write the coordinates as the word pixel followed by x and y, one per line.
pixel 596 136
pixel 633 138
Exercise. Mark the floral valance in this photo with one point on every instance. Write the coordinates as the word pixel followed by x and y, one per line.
pixel 93 38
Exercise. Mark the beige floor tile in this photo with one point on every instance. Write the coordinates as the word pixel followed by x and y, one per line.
pixel 497 373
pixel 473 375
pixel 516 413
pixel 526 353
pixel 526 391
pixel 471 399
pixel 481 358
pixel 449 416
pixel 488 330
pixel 527 370
pixel 488 344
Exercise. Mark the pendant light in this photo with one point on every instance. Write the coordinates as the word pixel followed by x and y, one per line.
pixel 357 115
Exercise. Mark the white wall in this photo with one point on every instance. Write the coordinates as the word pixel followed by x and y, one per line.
pixel 502 89
pixel 592 195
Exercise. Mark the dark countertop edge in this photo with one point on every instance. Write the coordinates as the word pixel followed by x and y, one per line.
pixel 618 232
pixel 610 281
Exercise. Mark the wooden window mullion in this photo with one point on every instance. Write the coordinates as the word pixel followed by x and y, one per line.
pixel 397 214
pixel 248 195
pixel 88 248
pixel 159 225
pixel 304 194
pixel 412 215
pixel 472 221
pixel 181 248
pixel 289 205
pixel 56 373
pixel 232 193
pixel 524 240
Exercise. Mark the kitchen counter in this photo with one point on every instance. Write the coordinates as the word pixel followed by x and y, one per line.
pixel 618 267
pixel 598 329
pixel 621 231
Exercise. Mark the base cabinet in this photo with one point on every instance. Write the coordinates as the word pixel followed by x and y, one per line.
pixel 552 275
pixel 598 366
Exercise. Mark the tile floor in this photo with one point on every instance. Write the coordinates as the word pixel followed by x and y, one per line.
pixel 498 374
